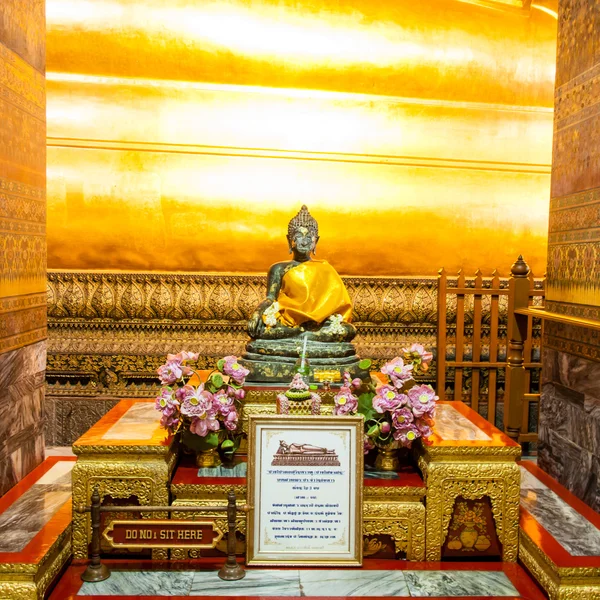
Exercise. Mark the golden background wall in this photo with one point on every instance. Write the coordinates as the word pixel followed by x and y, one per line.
pixel 183 135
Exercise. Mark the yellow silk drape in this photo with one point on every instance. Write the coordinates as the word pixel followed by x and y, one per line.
pixel 312 291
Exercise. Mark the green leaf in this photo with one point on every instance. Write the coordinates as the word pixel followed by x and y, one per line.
pixel 373 431
pixel 221 364
pixel 365 363
pixel 227 444
pixel 196 442
pixel 365 406
pixel 216 380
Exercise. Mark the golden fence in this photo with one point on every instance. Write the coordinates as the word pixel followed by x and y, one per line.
pixel 476 331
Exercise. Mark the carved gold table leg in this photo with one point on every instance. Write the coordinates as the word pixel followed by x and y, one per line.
pixel 446 481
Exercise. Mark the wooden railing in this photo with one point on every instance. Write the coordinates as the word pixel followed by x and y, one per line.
pixel 484 370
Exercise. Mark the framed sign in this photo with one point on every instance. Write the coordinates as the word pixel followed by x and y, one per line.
pixel 305 482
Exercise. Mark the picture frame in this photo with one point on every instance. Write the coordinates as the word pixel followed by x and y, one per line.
pixel 305 490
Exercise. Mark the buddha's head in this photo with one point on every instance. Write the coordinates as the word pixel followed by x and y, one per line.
pixel 303 234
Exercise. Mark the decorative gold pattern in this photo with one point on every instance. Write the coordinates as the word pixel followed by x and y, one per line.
pixel 497 478
pixel 559 583
pixel 580 341
pixel 25 581
pixel 119 472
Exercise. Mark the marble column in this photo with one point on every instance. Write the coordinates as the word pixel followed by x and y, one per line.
pixel 22 237
pixel 569 448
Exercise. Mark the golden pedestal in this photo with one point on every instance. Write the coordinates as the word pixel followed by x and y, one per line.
pixel 391 507
pixel 468 457
pixel 125 454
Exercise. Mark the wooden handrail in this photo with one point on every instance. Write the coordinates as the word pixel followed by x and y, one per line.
pixel 542 313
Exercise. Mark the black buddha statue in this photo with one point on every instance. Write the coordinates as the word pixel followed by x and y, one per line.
pixel 307 309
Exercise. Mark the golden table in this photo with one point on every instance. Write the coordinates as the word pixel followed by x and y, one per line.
pixel 468 457
pixel 125 454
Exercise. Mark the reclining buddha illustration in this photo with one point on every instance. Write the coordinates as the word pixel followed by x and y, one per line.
pixel 307 304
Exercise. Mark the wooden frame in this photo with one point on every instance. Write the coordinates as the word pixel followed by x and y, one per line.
pixel 305 488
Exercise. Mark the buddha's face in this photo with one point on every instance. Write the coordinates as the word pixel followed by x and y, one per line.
pixel 303 242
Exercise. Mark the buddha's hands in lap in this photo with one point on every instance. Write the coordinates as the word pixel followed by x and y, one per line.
pixel 256 325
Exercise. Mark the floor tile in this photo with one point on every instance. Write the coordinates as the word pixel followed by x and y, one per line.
pixel 337 582
pixel 257 582
pixel 425 584
pixel 141 583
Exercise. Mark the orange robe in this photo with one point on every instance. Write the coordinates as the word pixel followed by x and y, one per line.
pixel 312 291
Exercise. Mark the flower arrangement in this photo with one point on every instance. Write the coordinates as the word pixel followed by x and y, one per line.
pixel 206 414
pixel 397 411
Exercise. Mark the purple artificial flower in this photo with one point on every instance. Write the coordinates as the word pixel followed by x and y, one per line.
pixel 231 421
pixel 223 403
pixel 197 402
pixel 345 401
pixel 368 444
pixel 387 398
pixel 422 400
pixel 202 425
pixel 397 371
pixel 170 372
pixel 402 418
pixel 233 368
pixel 407 435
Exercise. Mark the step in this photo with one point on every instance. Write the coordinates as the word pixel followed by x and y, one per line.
pixel 35 530
pixel 559 537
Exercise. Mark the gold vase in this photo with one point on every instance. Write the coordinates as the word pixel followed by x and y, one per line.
pixel 387 457
pixel 207 459
pixel 468 536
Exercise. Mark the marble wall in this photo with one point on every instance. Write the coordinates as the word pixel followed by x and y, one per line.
pixel 570 407
pixel 22 237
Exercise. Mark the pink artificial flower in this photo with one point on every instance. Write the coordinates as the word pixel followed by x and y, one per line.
pixel 356 382
pixel 422 400
pixel 197 402
pixel 402 418
pixel 165 399
pixel 233 368
pixel 387 398
pixel 407 435
pixel 346 378
pixel 385 428
pixel 368 444
pixel 202 425
pixel 223 403
pixel 231 420
pixel 397 371
pixel 419 349
pixel 345 402
pixel 182 357
pixel 170 372
pixel 169 421
pixel 423 427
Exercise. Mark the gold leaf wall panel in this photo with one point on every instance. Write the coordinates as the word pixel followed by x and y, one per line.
pixel 184 135
pixel 22 237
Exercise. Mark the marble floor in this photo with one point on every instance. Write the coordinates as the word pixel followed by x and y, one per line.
pixel 314 582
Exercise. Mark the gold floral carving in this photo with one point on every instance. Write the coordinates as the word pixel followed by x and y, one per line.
pixel 31 581
pixel 446 481
pixel 403 521
pixel 570 583
pixel 144 477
